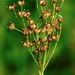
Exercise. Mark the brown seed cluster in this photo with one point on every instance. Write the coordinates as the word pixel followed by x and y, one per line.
pixel 42 3
pixel 21 3
pixel 11 26
pixel 12 7
pixel 34 31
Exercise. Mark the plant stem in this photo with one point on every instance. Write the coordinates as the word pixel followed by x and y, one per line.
pixel 22 17
pixel 15 13
pixel 37 4
pixel 41 72
pixel 18 30
pixel 33 56
pixel 53 12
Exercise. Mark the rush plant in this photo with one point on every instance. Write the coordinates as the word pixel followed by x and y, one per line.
pixel 41 37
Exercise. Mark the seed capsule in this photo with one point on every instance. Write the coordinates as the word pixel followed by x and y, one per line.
pixel 57 28
pixel 36 51
pixel 47 25
pixel 53 24
pixel 31 44
pixel 49 39
pixel 54 1
pixel 46 47
pixel 27 15
pixel 11 27
pixel 43 40
pixel 20 14
pixel 54 37
pixel 30 21
pixel 43 30
pixel 24 44
pixel 56 21
pixel 32 26
pixel 10 7
pixel 42 2
pixel 21 3
pixel 60 20
pixel 25 31
pixel 38 43
pixel 42 49
pixel 14 5
pixel 45 14
pixel 36 30
pixel 48 13
pixel 49 30
pixel 23 12
pixel 57 9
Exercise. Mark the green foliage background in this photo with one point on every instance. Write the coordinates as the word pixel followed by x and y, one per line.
pixel 16 60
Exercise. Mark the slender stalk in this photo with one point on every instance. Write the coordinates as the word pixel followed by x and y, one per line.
pixel 41 72
pixel 23 22
pixel 37 4
pixel 15 13
pixel 44 60
pixel 22 17
pixel 33 56
pixel 18 30
pixel 61 3
pixel 53 12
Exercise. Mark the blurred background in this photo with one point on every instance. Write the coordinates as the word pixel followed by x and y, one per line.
pixel 16 60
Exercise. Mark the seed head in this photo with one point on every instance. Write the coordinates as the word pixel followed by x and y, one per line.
pixel 43 40
pixel 25 31
pixel 54 37
pixel 32 26
pixel 11 26
pixel 54 1
pixel 49 39
pixel 24 44
pixel 31 44
pixel 46 47
pixel 60 19
pixel 36 30
pixel 49 30
pixel 43 30
pixel 21 3
pixel 57 9
pixel 57 28
pixel 26 15
pixel 36 51
pixel 42 49
pixel 42 2
pixel 45 14
pixel 38 43
pixel 30 21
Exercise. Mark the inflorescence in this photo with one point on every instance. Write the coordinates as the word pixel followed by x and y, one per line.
pixel 40 36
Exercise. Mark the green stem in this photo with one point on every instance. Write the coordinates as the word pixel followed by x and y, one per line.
pixel 53 12
pixel 33 56
pixel 44 60
pixel 61 3
pixel 22 17
pixel 37 4
pixel 23 22
pixel 41 72
pixel 15 13
pixel 18 30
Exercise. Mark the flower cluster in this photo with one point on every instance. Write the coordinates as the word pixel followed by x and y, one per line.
pixel 40 36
